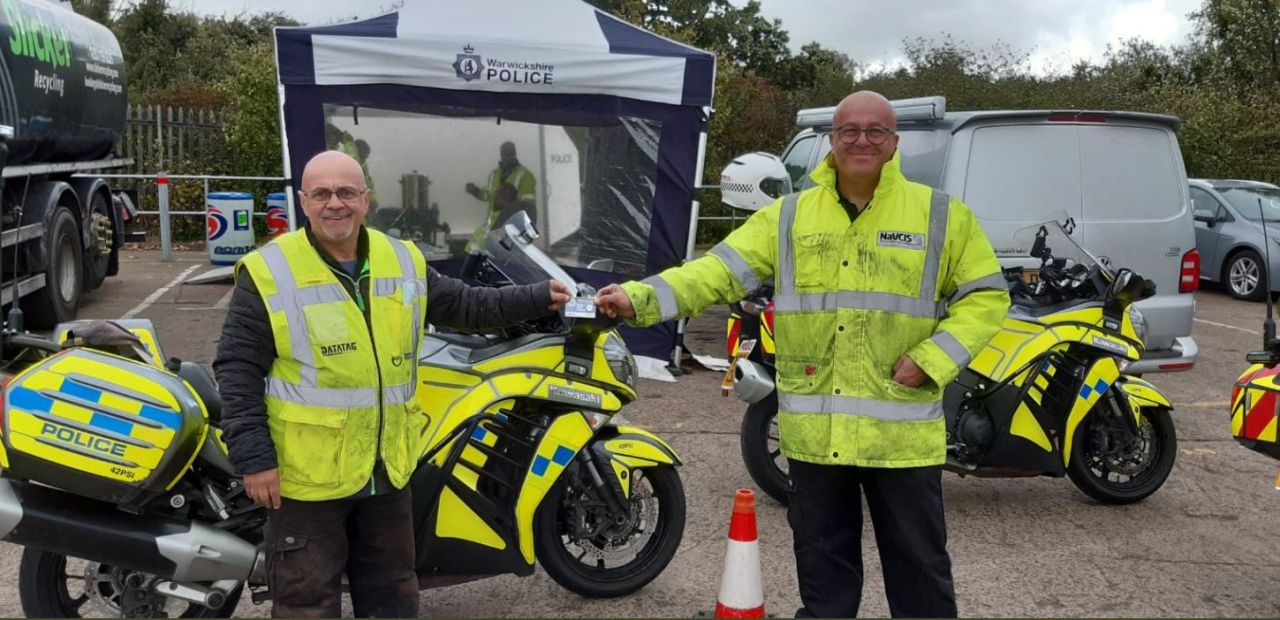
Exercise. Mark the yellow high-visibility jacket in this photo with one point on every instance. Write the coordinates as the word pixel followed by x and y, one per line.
pixel 913 274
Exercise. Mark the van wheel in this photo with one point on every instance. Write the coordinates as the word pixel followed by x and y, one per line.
pixel 1245 275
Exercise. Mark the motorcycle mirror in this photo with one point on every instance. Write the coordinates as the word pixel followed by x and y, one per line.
pixel 1120 283
pixel 1266 358
pixel 1038 250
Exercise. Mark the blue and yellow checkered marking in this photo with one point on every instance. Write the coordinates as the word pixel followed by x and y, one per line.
pixel 1100 387
pixel 561 457
pixel 36 398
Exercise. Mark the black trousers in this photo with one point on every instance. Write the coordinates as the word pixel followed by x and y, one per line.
pixel 310 545
pixel 825 513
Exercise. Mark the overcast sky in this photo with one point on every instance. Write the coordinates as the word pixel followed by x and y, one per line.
pixel 1056 32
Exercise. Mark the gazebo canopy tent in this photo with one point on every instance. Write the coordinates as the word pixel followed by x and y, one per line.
pixel 610 119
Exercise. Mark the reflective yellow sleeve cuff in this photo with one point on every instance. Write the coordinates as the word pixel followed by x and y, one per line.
pixel 645 303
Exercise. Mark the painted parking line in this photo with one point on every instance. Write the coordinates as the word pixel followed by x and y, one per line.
pixel 1225 326
pixel 222 304
pixel 151 299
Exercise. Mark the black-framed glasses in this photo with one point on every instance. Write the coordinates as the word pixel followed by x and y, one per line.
pixel 346 193
pixel 875 135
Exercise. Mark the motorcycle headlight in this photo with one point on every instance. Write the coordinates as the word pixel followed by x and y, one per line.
pixel 621 362
pixel 1139 323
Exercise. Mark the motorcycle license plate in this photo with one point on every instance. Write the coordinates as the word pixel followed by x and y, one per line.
pixel 581 308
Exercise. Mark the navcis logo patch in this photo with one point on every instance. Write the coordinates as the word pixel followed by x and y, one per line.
pixel 910 241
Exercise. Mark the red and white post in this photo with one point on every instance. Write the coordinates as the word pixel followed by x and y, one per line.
pixel 741 594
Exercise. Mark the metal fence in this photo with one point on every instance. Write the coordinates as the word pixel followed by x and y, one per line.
pixel 164 137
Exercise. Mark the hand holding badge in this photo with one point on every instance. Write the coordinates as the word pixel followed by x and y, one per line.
pixel 581 308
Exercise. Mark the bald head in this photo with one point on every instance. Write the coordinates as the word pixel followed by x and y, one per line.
pixel 334 197
pixel 331 165
pixel 863 137
pixel 866 102
pixel 507 153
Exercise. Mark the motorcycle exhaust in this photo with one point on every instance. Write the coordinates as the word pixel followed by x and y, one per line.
pixel 751 382
pixel 183 551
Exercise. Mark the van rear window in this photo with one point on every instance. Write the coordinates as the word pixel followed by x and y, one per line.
pixel 1101 172
pixel 1131 173
pixel 1023 173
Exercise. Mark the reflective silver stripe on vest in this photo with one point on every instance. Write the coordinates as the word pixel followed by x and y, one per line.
pixel 316 294
pixel 939 211
pixel 994 281
pixel 666 297
pixel 398 394
pixel 851 405
pixel 952 348
pixel 786 259
pixel 858 300
pixel 410 275
pixel 288 301
pixel 385 287
pixel 737 266
pixel 337 398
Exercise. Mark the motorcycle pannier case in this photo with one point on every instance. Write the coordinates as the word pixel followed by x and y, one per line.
pixel 100 426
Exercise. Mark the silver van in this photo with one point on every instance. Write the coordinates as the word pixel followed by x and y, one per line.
pixel 1119 174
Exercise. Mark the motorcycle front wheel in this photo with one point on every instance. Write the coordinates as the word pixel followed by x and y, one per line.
pixel 628 551
pixel 51 585
pixel 1116 467
pixel 762 448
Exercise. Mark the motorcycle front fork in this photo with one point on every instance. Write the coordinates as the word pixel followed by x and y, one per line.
pixel 605 490
pixel 1116 428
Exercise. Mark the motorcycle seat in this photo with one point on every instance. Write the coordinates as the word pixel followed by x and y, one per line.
pixel 200 379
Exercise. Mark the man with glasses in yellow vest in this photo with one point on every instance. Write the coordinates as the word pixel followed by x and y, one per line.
pixel 885 289
pixel 316 367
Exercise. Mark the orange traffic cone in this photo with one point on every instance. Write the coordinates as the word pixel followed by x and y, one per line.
pixel 741 595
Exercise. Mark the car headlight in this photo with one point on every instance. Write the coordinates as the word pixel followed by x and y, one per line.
pixel 621 362
pixel 1139 323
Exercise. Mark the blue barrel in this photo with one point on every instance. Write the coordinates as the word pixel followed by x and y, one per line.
pixel 229 216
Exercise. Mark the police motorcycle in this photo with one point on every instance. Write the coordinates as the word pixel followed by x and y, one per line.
pixel 114 476
pixel 1255 397
pixel 1047 396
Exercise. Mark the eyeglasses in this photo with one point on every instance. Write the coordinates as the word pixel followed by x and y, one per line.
pixel 345 193
pixel 875 135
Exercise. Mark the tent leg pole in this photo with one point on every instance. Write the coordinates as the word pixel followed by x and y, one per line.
pixel 696 207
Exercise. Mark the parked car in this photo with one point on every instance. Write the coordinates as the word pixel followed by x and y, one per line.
pixel 1119 174
pixel 1229 234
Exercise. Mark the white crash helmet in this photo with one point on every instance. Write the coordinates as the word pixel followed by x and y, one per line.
pixel 753 181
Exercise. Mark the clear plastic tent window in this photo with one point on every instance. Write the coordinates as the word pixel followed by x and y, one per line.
pixel 441 180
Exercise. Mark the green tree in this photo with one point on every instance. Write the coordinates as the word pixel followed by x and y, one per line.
pixel 253 123
pixel 740 34
pixel 97 10
pixel 154 40
pixel 1241 39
